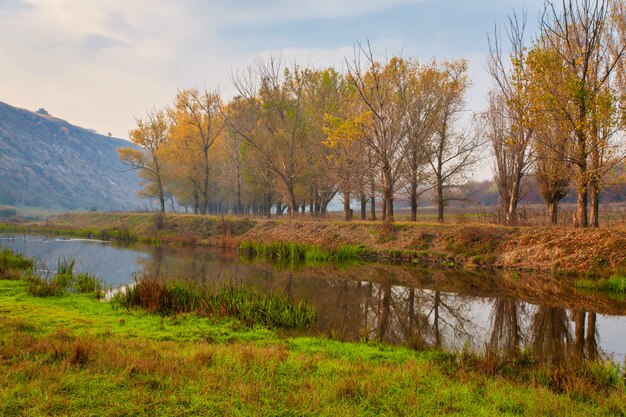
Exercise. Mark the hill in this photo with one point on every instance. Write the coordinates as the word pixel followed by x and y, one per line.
pixel 49 163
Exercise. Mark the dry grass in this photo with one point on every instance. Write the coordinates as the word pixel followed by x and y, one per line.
pixel 467 242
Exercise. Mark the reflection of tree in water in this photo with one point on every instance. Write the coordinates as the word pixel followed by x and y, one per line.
pixel 506 331
pixel 550 335
pixel 396 314
pixel 368 305
pixel 591 343
pixel 585 336
pixel 199 267
pixel 553 342
pixel 449 313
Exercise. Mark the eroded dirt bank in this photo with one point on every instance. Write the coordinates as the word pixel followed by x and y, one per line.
pixel 537 248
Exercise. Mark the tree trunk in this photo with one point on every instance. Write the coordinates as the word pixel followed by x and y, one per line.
pixel 347 212
pixel 268 199
pixel 372 198
pixel 384 209
pixel 511 212
pixel 363 206
pixel 440 201
pixel 293 206
pixel 413 190
pixel 196 203
pixel 594 204
pixel 553 207
pixel 581 207
pixel 238 208
pixel 414 205
pixel 162 201
pixel 388 206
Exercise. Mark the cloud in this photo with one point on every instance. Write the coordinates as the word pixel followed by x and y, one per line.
pixel 243 11
pixel 99 63
pixel 14 5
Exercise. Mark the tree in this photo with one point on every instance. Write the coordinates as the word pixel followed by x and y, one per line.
pixel 197 125
pixel 584 36
pixel 451 152
pixel 508 120
pixel 374 83
pixel 151 134
pixel 420 98
pixel 280 135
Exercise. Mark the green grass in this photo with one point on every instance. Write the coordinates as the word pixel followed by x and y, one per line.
pixel 122 235
pixel 292 253
pixel 10 259
pixel 74 355
pixel 615 284
pixel 250 306
pixel 13 265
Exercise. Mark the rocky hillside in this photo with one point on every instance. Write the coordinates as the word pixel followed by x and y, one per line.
pixel 48 163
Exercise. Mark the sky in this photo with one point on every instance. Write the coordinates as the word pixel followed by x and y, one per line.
pixel 100 64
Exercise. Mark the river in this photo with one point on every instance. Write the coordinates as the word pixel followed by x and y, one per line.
pixel 421 308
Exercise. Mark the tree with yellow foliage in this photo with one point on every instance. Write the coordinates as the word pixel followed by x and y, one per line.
pixel 197 124
pixel 152 135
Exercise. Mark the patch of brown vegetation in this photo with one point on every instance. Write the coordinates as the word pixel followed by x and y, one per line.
pixel 538 248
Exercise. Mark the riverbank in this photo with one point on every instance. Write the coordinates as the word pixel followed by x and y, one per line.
pixel 564 250
pixel 78 356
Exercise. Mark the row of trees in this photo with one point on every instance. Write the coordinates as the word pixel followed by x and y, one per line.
pixel 558 104
pixel 295 137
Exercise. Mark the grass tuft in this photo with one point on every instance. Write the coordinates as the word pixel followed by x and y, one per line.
pixel 293 253
pixel 615 284
pixel 64 281
pixel 249 305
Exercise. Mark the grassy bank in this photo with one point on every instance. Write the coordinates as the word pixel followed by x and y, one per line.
pixel 69 353
pixel 595 252
pixel 77 356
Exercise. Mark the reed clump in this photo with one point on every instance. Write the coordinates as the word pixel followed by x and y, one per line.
pixel 64 281
pixel 299 253
pixel 249 305
pixel 12 265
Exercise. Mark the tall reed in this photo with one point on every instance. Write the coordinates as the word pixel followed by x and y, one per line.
pixel 64 281
pixel 13 265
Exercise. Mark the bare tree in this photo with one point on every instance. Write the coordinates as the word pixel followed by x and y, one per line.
pixel 451 152
pixel 508 121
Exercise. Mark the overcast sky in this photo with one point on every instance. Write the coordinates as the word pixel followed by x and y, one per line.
pixel 100 63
